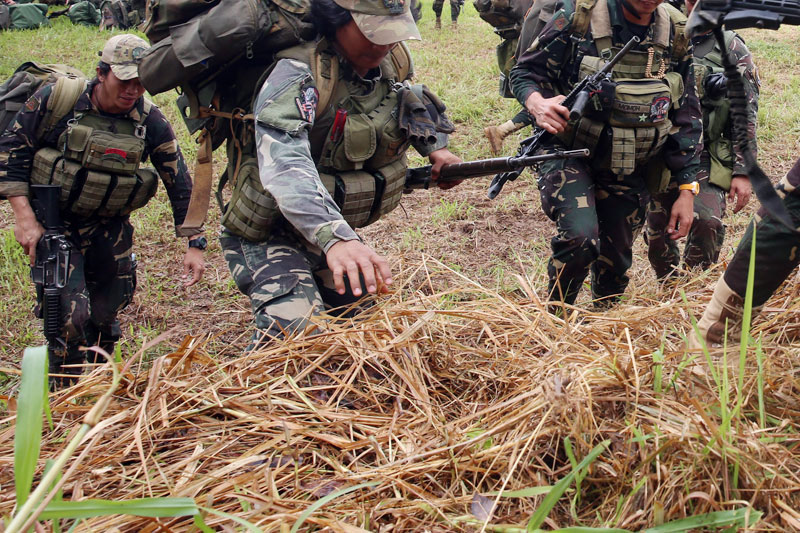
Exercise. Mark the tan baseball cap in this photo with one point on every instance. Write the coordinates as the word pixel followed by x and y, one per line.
pixel 383 21
pixel 123 53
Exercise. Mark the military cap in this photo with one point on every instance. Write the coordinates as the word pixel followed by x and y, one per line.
pixel 382 21
pixel 123 53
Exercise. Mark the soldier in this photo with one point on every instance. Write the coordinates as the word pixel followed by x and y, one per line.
pixel 110 117
pixel 722 167
pixel 332 125
pixel 455 10
pixel 599 204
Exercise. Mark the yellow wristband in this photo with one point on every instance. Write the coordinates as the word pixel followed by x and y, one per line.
pixel 693 186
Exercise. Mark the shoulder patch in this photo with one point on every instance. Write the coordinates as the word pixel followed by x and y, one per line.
pixel 307 103
pixel 32 104
pixel 288 99
pixel 560 20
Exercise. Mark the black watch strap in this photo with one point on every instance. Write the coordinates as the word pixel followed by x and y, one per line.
pixel 200 243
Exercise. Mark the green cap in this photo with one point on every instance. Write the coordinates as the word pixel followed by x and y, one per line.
pixel 382 21
pixel 123 53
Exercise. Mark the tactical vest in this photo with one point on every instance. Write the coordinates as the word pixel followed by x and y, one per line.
pixel 637 124
pixel 97 164
pixel 363 166
pixel 716 128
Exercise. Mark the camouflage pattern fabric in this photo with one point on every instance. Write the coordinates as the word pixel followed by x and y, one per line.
pixel 777 248
pixel 706 235
pixel 286 280
pixel 101 282
pixel 455 8
pixel 18 144
pixel 598 215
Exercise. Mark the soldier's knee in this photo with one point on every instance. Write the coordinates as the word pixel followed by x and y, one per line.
pixel 76 319
pixel 284 303
pixel 580 249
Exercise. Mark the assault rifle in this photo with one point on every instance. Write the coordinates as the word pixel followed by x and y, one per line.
pixel 576 101
pixel 711 15
pixel 420 178
pixel 51 268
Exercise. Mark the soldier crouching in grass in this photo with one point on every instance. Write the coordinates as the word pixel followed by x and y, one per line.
pixel 599 204
pixel 109 117
pixel 722 165
pixel 332 125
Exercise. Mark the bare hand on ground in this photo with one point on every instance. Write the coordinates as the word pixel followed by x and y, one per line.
pixel 352 257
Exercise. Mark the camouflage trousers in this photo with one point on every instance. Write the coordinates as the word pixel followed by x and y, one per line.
pixel 101 282
pixel 706 235
pixel 455 8
pixel 598 215
pixel 777 253
pixel 286 279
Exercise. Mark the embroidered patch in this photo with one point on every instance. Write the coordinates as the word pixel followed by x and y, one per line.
pixel 395 7
pixel 307 104
pixel 560 21
pixel 659 108
pixel 32 104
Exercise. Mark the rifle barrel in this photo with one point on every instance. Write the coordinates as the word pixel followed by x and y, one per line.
pixel 486 167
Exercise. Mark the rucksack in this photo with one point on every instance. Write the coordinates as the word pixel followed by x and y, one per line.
pixel 25 16
pixel 122 14
pixel 84 13
pixel 505 16
pixel 15 91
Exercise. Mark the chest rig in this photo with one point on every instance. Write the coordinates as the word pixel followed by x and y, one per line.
pixel 633 123
pixel 96 163
pixel 716 127
pixel 361 162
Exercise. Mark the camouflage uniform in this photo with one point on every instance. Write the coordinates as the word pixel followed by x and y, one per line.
pixel 102 274
pixel 777 255
pixel 286 275
pixel 455 9
pixel 707 233
pixel 599 212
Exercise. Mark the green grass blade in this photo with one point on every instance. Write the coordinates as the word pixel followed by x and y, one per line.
pixel 152 507
pixel 582 529
pixel 549 501
pixel 59 495
pixel 200 524
pixel 523 493
pixel 762 413
pixel 28 429
pixel 736 517
pixel 322 501
pixel 748 307
pixel 241 521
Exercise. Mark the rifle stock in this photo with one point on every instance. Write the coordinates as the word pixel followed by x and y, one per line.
pixel 51 268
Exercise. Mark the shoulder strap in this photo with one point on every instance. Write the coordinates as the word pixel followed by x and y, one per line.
pixel 63 98
pixel 680 40
pixel 402 62
pixel 326 80
pixel 583 16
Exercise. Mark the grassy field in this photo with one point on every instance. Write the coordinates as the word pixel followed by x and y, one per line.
pixel 458 400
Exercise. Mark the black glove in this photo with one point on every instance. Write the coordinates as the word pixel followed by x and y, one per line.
pixel 716 85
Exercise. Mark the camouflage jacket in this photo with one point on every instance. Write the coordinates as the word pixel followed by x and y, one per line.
pixel 552 67
pixel 287 159
pixel 703 46
pixel 18 144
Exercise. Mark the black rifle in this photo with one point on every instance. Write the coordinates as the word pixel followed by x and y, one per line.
pixel 576 101
pixel 420 178
pixel 710 15
pixel 51 268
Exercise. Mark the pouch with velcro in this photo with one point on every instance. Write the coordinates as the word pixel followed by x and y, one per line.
pixel 354 194
pixel 359 143
pixel 251 211
pixel 100 150
pixel 640 103
pixel 130 193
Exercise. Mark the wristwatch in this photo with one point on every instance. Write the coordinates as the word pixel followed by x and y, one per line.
pixel 200 243
pixel 693 186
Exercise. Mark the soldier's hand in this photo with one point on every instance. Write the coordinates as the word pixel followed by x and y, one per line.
pixel 438 159
pixel 740 191
pixel 193 265
pixel 354 257
pixel 27 230
pixel 548 112
pixel 681 216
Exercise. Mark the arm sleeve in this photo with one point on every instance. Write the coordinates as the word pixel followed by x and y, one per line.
pixel 744 61
pixel 685 142
pixel 166 157
pixel 285 112
pixel 18 144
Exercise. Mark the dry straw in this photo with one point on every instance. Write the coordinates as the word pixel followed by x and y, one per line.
pixel 435 400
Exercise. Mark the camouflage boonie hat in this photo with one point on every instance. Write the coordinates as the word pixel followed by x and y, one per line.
pixel 123 53
pixel 383 21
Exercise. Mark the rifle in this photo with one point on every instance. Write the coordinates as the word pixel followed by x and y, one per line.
pixel 711 15
pixel 576 101
pixel 51 268
pixel 420 178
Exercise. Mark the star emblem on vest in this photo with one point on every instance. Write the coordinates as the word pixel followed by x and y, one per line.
pixel 643 117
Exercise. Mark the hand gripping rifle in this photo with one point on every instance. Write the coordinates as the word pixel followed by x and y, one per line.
pixel 51 268
pixel 576 101
pixel 711 15
pixel 420 178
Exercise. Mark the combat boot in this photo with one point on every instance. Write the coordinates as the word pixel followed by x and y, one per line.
pixel 455 25
pixel 438 23
pixel 725 307
pixel 496 134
